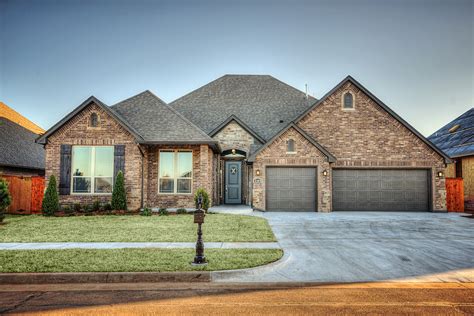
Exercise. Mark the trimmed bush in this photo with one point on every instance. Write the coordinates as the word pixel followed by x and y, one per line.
pixel 107 207
pixel 5 198
pixel 96 206
pixel 163 212
pixel 146 211
pixel 119 197
pixel 205 198
pixel 51 198
pixel 181 211
pixel 77 207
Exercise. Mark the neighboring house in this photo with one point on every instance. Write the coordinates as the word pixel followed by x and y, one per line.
pixel 456 139
pixel 253 140
pixel 14 116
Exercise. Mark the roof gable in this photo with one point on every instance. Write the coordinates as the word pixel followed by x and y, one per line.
pixel 323 150
pixel 235 119
pixel 456 138
pixel 382 105
pixel 18 147
pixel 91 100
pixel 263 103
pixel 157 122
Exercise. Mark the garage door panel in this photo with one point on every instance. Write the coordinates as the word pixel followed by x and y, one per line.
pixel 380 190
pixel 291 189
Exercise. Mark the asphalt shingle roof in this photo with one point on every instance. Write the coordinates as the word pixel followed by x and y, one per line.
pixel 155 121
pixel 457 143
pixel 262 102
pixel 18 147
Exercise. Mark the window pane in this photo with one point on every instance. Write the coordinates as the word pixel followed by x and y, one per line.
pixel 290 146
pixel 81 185
pixel 184 185
pixel 166 185
pixel 81 161
pixel 348 100
pixel 166 164
pixel 104 161
pixel 103 185
pixel 185 164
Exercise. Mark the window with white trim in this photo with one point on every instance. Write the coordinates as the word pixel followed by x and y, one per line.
pixel 175 171
pixel 92 169
pixel 290 146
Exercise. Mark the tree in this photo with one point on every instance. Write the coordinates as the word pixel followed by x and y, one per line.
pixel 119 196
pixel 51 198
pixel 5 198
pixel 205 198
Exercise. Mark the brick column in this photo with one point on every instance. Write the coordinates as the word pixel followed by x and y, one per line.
pixel 205 165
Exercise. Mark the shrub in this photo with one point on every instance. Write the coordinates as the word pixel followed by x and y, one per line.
pixel 146 211
pixel 68 210
pixel 88 209
pixel 96 206
pixel 5 198
pixel 181 211
pixel 119 197
pixel 205 198
pixel 77 207
pixel 51 198
pixel 107 207
pixel 163 211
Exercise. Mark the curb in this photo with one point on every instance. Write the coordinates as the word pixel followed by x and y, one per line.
pixel 103 277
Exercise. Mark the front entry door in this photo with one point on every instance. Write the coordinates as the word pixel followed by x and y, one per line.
pixel 233 183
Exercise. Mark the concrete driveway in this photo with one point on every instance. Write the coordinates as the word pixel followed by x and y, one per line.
pixel 367 246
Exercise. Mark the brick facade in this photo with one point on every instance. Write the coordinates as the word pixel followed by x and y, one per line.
pixel 109 133
pixel 306 155
pixel 369 137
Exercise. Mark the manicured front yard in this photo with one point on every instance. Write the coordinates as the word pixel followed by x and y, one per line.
pixel 131 260
pixel 173 228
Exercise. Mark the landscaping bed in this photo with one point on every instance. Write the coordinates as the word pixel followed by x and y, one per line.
pixel 131 260
pixel 129 228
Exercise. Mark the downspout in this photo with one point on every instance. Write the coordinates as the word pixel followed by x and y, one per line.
pixel 143 170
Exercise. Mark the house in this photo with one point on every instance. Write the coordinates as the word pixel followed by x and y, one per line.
pixel 12 115
pixel 249 139
pixel 456 139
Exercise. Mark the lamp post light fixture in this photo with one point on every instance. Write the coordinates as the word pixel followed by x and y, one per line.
pixel 200 258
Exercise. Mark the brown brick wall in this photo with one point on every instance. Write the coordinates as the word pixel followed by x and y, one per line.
pixel 110 132
pixel 202 177
pixel 306 155
pixel 370 137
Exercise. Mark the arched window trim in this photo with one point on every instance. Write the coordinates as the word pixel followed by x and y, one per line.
pixel 343 101
pixel 291 146
pixel 91 120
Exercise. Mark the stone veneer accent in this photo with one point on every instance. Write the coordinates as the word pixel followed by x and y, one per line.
pixel 109 133
pixel 233 136
pixel 306 155
pixel 369 137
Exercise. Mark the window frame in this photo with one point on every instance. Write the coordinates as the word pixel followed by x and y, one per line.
pixel 92 176
pixel 294 146
pixel 343 103
pixel 175 170
pixel 90 120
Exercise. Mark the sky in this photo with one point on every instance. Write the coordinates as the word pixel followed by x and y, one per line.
pixel 414 55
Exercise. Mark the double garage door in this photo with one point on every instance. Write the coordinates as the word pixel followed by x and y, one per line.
pixel 295 189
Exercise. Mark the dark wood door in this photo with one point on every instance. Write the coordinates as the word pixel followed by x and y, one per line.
pixel 233 182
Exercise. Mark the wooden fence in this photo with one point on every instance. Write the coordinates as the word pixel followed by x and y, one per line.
pixel 455 194
pixel 27 194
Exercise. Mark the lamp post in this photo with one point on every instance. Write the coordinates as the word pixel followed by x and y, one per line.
pixel 199 259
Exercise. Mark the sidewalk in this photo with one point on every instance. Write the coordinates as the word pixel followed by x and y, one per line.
pixel 115 245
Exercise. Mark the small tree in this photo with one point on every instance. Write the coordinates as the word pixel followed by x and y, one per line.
pixel 5 198
pixel 51 198
pixel 205 198
pixel 119 197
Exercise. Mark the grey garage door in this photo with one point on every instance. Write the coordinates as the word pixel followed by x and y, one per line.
pixel 380 190
pixel 291 189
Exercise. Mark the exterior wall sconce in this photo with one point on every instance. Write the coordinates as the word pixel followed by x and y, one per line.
pixel 257 172
pixel 233 151
pixel 440 174
pixel 325 173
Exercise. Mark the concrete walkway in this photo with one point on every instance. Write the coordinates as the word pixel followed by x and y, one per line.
pixel 238 209
pixel 365 247
pixel 118 245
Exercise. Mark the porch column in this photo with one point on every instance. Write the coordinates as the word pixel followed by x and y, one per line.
pixel 205 170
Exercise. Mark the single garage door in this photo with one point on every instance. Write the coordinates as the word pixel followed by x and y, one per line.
pixel 291 189
pixel 380 190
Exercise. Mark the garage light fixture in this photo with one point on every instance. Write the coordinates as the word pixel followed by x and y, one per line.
pixel 325 173
pixel 440 174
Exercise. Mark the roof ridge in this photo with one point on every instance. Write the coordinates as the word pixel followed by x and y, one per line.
pixel 195 90
pixel 26 120
pixel 450 122
pixel 136 95
pixel 288 85
pixel 26 129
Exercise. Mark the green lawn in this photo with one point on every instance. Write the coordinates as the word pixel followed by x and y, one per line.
pixel 177 228
pixel 131 260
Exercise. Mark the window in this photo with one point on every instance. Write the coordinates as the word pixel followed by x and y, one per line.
pixel 175 171
pixel 92 169
pixel 348 100
pixel 290 146
pixel 94 120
